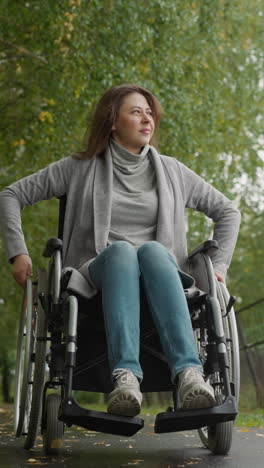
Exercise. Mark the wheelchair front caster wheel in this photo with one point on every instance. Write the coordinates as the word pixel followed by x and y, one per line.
pixel 53 430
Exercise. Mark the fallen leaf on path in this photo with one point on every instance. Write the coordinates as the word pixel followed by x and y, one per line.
pixel 103 442
pixel 133 462
pixel 56 443
pixel 193 446
pixel 245 429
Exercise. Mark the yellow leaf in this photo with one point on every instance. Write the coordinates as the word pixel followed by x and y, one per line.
pixel 143 68
pixel 20 142
pixel 51 102
pixel 56 443
pixel 75 2
pixel 70 16
pixel 45 115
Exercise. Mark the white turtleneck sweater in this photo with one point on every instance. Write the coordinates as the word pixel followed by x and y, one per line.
pixel 135 199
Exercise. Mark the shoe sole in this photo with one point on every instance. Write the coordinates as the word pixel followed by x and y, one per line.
pixel 124 404
pixel 198 401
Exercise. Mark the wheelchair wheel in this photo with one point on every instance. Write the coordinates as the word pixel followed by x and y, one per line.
pixel 40 364
pixel 231 334
pixel 218 437
pixel 53 430
pixel 24 364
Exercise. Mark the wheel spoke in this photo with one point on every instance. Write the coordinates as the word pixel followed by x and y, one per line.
pixel 218 437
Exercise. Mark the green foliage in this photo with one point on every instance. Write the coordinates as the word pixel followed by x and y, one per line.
pixel 203 60
pixel 251 419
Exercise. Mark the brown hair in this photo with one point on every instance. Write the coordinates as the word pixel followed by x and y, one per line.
pixel 106 113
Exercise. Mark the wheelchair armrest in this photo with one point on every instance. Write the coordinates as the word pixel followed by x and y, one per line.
pixel 51 246
pixel 205 247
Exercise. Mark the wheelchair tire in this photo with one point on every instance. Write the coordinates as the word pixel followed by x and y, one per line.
pixel 24 363
pixel 40 364
pixel 231 333
pixel 53 430
pixel 218 438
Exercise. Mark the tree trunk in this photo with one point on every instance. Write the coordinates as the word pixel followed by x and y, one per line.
pixel 251 365
pixel 6 378
pixel 258 359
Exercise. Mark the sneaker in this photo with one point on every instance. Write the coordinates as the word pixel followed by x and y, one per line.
pixel 126 397
pixel 193 392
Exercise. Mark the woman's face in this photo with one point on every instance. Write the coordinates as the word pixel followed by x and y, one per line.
pixel 134 125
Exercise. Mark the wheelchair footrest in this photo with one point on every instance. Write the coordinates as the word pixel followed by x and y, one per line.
pixel 71 413
pixel 182 420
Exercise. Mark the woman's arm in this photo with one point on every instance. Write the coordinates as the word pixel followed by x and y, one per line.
pixel 43 185
pixel 202 196
pixel 22 269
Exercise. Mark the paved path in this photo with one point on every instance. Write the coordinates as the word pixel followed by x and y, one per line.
pixel 83 449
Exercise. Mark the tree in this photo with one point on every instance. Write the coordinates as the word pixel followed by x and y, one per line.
pixel 203 60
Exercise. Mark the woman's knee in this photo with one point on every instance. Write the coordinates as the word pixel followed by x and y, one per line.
pixel 151 250
pixel 118 258
pixel 153 256
pixel 121 251
pixel 120 247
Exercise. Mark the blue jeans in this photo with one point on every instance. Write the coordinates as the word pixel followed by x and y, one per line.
pixel 116 272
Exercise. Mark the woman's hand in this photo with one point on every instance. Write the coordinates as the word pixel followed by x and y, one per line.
pixel 219 278
pixel 22 269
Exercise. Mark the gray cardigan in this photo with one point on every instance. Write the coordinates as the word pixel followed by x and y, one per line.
pixel 88 185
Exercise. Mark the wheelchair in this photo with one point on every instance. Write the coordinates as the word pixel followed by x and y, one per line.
pixel 62 347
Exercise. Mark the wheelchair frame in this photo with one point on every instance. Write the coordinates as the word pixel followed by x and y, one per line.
pixel 49 314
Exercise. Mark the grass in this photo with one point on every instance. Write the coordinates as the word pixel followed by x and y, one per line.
pixel 251 419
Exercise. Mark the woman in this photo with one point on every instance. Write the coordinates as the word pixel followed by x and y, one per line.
pixel 124 224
